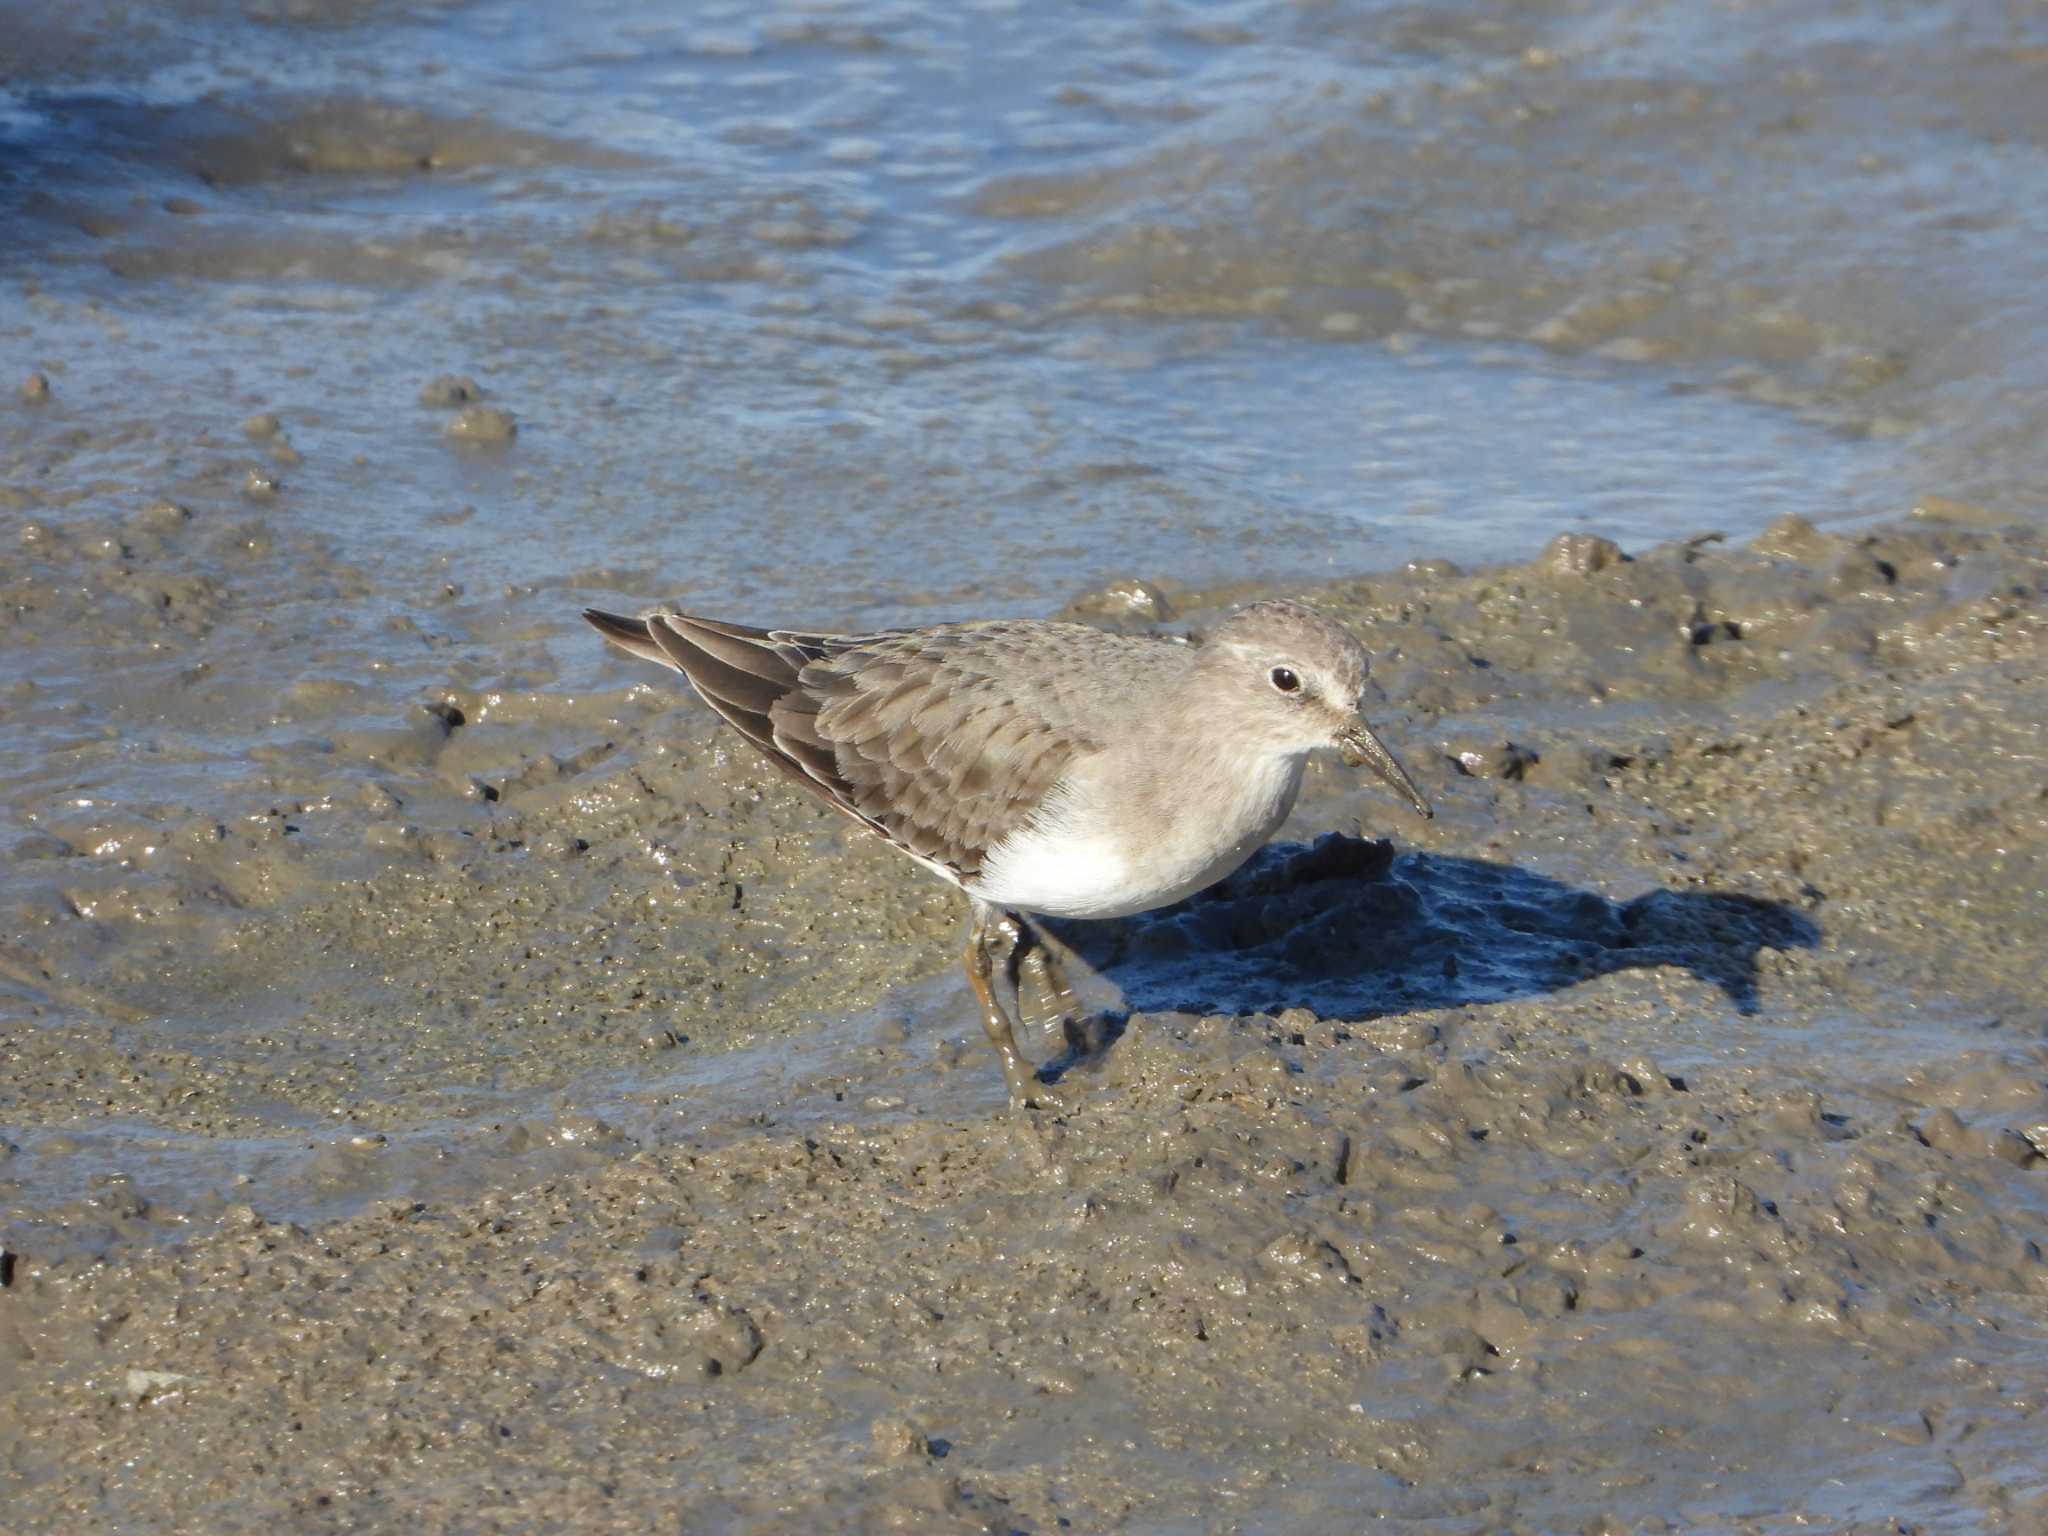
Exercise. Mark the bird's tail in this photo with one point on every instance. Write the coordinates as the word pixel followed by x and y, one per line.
pixel 750 676
pixel 628 635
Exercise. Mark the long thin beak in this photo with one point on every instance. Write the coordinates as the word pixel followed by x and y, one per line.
pixel 1362 749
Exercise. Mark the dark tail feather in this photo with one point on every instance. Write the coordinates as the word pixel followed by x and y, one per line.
pixel 628 635
pixel 737 668
pixel 744 674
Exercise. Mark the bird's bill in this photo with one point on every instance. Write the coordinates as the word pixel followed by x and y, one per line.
pixel 1362 749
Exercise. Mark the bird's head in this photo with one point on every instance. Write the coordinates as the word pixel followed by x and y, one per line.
pixel 1296 681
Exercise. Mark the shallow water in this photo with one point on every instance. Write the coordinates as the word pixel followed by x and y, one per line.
pixel 858 316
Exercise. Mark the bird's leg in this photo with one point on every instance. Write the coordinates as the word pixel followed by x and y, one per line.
pixel 1040 958
pixel 980 968
pixel 1025 1088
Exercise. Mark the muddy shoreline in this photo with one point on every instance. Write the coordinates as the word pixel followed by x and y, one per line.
pixel 445 1085
pixel 1657 1140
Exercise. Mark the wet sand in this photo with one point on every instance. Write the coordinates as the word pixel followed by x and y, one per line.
pixel 1657 1140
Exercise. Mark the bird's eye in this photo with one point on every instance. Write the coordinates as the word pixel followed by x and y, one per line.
pixel 1285 680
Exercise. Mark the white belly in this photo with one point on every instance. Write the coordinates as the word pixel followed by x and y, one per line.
pixel 1096 853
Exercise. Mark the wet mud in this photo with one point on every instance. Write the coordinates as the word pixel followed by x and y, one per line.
pixel 445 1084
pixel 1657 1140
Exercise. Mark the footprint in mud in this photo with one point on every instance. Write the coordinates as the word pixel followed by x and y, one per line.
pixel 1344 927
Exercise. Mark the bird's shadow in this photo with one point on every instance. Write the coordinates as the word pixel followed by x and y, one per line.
pixel 1347 928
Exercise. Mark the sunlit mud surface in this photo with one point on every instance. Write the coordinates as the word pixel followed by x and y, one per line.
pixel 444 1084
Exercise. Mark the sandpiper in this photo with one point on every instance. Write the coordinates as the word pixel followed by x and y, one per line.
pixel 1046 769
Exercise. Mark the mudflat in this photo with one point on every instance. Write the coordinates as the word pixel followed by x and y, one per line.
pixel 446 1085
pixel 1657 1138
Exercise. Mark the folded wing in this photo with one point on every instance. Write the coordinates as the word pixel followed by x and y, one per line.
pixel 913 733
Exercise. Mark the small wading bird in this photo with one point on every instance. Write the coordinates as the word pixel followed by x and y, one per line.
pixel 1045 769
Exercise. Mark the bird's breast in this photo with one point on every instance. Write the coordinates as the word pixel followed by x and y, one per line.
pixel 1111 845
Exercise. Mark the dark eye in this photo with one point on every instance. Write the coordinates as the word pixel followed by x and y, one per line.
pixel 1285 680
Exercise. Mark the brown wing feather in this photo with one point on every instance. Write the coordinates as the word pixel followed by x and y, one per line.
pixel 932 741
pixel 920 735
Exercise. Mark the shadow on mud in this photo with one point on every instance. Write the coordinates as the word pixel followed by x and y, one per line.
pixel 1344 927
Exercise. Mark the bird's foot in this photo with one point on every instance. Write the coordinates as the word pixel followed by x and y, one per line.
pixel 1035 966
pixel 1030 1093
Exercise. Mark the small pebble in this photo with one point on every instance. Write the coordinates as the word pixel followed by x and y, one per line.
pixel 1488 757
pixel 1579 554
pixel 163 517
pixel 1128 597
pixel 450 389
pixel 898 1439
pixel 265 425
pixel 150 1384
pixel 35 389
pixel 483 424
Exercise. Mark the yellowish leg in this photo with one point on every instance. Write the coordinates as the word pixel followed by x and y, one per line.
pixel 1026 1091
pixel 1001 1033
pixel 1040 967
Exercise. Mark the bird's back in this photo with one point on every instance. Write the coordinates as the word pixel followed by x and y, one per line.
pixel 943 740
